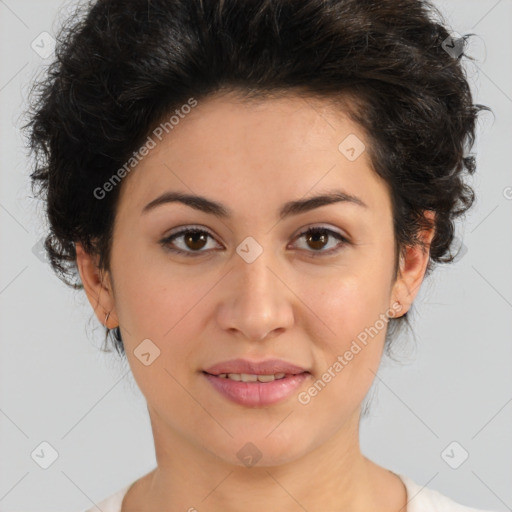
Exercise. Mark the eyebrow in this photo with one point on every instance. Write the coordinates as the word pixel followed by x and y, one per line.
pixel 288 209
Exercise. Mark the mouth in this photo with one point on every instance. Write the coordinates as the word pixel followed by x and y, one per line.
pixel 256 384
pixel 252 377
pixel 248 367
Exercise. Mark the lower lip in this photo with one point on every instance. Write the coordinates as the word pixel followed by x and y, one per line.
pixel 256 394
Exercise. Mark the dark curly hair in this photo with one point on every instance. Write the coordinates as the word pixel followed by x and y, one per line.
pixel 122 67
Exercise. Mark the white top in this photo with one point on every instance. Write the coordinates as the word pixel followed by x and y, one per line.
pixel 419 499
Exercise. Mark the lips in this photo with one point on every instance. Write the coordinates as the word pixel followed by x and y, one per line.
pixel 256 384
pixel 244 366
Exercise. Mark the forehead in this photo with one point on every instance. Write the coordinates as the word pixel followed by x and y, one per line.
pixel 273 149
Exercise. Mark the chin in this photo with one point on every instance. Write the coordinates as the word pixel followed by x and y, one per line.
pixel 256 448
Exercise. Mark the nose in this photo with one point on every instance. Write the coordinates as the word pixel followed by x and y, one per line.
pixel 256 301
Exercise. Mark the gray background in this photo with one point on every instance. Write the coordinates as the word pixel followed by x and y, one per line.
pixel 454 384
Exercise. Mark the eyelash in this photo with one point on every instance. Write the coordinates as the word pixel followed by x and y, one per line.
pixel 313 230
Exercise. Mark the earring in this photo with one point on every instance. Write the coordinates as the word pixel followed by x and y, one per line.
pixel 106 320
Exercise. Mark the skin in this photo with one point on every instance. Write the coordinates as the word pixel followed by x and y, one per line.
pixel 286 304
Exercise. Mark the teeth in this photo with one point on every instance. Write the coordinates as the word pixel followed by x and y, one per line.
pixel 266 378
pixel 246 377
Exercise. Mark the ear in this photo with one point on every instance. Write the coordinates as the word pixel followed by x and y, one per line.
pixel 97 286
pixel 413 264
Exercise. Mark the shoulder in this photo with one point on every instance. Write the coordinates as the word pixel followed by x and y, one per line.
pixel 112 503
pixel 423 499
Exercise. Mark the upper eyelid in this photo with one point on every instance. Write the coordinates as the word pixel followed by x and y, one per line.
pixel 185 229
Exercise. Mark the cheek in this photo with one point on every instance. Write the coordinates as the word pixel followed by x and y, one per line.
pixel 347 360
pixel 161 301
pixel 350 301
pixel 161 313
pixel 152 295
pixel 352 306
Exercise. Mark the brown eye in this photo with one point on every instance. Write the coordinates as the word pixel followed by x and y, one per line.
pixel 317 238
pixel 193 241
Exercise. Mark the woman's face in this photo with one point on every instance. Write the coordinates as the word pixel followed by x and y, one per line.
pixel 252 285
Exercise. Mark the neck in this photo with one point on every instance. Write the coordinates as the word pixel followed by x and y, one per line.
pixel 332 476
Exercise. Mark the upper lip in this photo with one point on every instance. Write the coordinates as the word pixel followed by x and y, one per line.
pixel 267 367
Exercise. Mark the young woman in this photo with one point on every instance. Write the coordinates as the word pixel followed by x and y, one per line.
pixel 251 193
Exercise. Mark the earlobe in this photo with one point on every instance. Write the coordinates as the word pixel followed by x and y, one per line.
pixel 97 286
